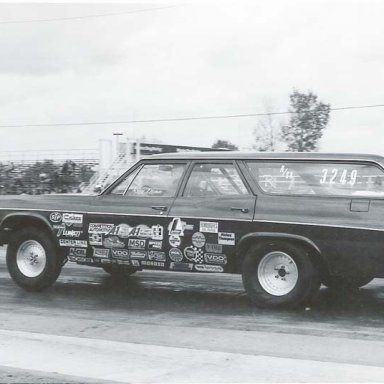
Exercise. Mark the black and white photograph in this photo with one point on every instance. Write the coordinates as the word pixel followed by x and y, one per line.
pixel 192 191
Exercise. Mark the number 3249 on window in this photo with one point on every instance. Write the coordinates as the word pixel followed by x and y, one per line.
pixel 338 176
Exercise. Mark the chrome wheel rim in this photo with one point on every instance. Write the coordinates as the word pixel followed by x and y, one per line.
pixel 277 273
pixel 31 258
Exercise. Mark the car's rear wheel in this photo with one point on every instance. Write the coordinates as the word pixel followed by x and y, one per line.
pixel 279 275
pixel 33 260
pixel 346 282
pixel 117 271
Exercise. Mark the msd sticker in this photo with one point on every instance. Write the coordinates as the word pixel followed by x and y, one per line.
pixel 136 244
pixel 209 227
pixel 226 238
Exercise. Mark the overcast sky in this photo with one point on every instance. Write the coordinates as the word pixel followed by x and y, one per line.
pixel 199 58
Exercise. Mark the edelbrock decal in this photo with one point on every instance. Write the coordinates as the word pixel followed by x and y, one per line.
pixel 214 258
pixel 226 238
pixel 208 268
pixel 73 243
pixel 209 227
pixel 198 240
pixel 175 255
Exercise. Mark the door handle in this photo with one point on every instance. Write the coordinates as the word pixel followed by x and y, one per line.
pixel 243 210
pixel 159 208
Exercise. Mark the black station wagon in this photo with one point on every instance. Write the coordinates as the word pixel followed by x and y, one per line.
pixel 286 222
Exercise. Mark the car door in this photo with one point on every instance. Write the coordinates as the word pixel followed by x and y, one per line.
pixel 216 208
pixel 126 223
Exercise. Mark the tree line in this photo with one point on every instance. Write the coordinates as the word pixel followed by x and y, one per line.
pixel 308 118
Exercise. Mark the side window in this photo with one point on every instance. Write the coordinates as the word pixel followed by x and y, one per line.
pixel 157 180
pixel 124 184
pixel 215 180
pixel 319 178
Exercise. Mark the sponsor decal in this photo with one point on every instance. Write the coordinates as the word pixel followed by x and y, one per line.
pixel 209 227
pixel 73 243
pixel 156 256
pixel 175 255
pixel 96 239
pixel 138 254
pixel 120 254
pixel 123 262
pixel 186 267
pixel 175 227
pixel 113 242
pixel 152 264
pixel 100 228
pixel 226 238
pixel 81 259
pixel 174 241
pixel 214 248
pixel 214 258
pixel 157 232
pixel 198 240
pixel 55 217
pixel 72 258
pixel 60 229
pixel 136 244
pixel 208 268
pixel 100 252
pixel 142 231
pixel 70 233
pixel 188 227
pixel 194 254
pixel 72 218
pixel 77 252
pixel 135 263
pixel 121 230
pixel 155 244
pixel 106 261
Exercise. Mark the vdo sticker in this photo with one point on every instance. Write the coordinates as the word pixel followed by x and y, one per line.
pixel 198 240
pixel 120 254
pixel 209 227
pixel 213 258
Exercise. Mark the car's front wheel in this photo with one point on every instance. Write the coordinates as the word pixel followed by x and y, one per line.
pixel 33 260
pixel 279 275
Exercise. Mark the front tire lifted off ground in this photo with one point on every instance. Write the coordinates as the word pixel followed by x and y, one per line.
pixel 33 259
pixel 279 275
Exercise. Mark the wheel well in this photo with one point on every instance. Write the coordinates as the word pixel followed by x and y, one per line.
pixel 313 252
pixel 16 222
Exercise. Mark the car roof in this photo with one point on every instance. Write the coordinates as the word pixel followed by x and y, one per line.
pixel 238 155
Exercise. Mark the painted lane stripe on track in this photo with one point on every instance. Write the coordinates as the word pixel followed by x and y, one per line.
pixel 129 362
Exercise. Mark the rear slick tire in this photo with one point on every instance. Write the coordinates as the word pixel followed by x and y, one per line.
pixel 33 259
pixel 279 275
